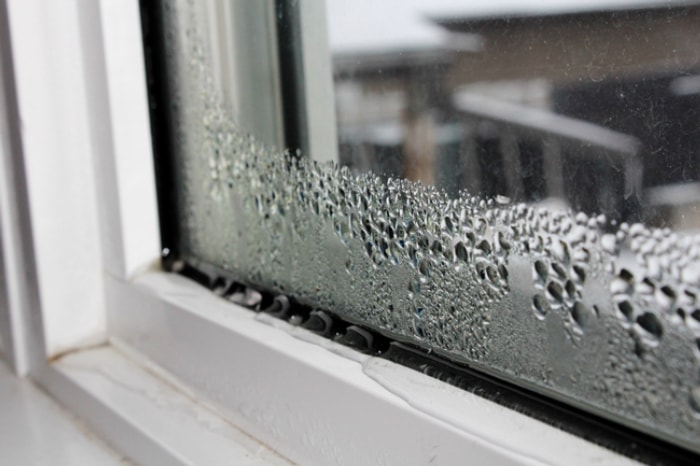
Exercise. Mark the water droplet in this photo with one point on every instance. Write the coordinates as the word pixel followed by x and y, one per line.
pixel 541 271
pixel 619 286
pixel 579 274
pixel 577 234
pixel 695 315
pixel 503 242
pixel 694 400
pixel 653 268
pixel 349 266
pixel 413 255
pixel 539 305
pixel 425 267
pixel 646 287
pixel 555 292
pixel 448 254
pixel 447 224
pixel 384 247
pixel 395 251
pixel 484 246
pixel 609 243
pixel 626 309
pixel 580 314
pixel 414 287
pixel 502 200
pixel 559 270
pixel 665 297
pixel 570 288
pixel 492 273
pixel 691 274
pixel 423 242
pixel 461 252
pixel 480 227
pixel 627 276
pixel 560 251
pixel 651 324
pixel 582 255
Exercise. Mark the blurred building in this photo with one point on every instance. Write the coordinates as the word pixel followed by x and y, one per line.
pixel 594 103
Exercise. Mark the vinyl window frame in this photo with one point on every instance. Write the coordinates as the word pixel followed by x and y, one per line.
pixel 80 245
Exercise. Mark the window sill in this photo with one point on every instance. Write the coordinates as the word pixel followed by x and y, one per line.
pixel 146 418
pixel 312 400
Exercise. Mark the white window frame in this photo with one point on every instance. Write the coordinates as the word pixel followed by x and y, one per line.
pixel 86 295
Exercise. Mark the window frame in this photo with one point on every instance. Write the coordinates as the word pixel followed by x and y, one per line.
pixel 86 96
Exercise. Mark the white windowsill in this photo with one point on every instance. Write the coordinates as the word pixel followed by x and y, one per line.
pixel 34 430
pixel 146 418
pixel 312 400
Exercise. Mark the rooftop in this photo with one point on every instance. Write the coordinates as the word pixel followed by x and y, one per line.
pixel 365 27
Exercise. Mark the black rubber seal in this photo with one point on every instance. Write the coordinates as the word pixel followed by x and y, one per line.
pixel 294 111
pixel 162 136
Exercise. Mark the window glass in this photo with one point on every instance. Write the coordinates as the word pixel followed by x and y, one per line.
pixel 516 187
pixel 570 104
pixel 4 306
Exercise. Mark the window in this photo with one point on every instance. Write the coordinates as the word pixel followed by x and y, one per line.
pixel 79 75
pixel 513 190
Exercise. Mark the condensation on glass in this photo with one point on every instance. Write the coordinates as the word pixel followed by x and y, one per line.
pixel 515 190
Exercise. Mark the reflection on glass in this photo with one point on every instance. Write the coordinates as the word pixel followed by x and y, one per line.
pixel 589 105
pixel 493 166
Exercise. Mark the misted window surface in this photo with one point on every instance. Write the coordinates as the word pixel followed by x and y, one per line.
pixel 516 184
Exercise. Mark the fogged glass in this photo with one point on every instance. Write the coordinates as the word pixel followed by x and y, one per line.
pixel 516 186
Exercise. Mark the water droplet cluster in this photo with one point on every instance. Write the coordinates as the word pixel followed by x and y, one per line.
pixel 606 315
